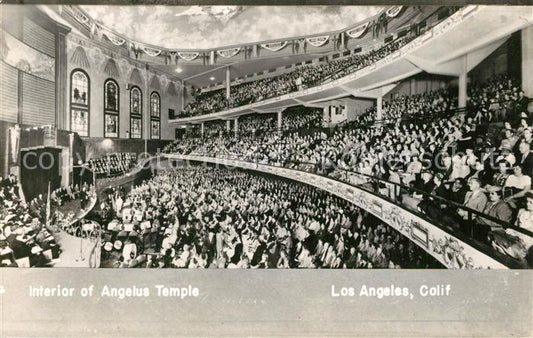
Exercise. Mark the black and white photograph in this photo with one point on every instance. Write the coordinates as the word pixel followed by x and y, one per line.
pixel 136 138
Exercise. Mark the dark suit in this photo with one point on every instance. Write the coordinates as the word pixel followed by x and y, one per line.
pixel 446 172
pixel 9 182
pixel 431 206
pixel 489 168
pixel 527 163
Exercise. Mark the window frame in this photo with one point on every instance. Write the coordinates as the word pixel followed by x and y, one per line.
pixel 154 118
pixel 115 113
pixel 79 106
pixel 136 116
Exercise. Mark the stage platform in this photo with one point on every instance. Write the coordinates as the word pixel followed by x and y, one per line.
pixel 76 252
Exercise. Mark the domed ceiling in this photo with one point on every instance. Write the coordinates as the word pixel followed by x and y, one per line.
pixel 203 27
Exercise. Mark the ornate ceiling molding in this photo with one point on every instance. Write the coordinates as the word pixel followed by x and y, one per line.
pixel 171 55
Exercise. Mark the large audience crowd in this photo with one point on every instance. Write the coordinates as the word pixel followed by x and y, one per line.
pixel 499 99
pixel 440 162
pixel 302 118
pixel 219 218
pixel 112 165
pixel 302 77
pixel 258 122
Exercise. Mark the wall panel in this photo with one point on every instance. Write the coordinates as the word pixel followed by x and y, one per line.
pixel 8 93
pixel 38 37
pixel 38 101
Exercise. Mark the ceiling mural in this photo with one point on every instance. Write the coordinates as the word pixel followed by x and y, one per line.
pixel 203 27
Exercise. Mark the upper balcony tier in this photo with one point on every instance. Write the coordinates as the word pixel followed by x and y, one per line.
pixel 444 49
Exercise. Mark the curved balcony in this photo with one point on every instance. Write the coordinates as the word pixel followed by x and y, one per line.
pixel 453 248
pixel 443 49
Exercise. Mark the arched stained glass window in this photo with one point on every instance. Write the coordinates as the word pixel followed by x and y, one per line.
pixel 155 105
pixel 111 108
pixel 79 102
pixel 135 112
pixel 155 116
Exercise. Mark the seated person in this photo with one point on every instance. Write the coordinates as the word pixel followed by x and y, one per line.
pixel 501 176
pixel 525 158
pixel 430 205
pixel 516 186
pixel 476 200
pixel 496 208
pixel 457 191
pixel 426 184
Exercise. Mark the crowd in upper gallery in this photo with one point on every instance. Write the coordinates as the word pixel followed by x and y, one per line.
pixel 112 165
pixel 305 76
pixel 440 159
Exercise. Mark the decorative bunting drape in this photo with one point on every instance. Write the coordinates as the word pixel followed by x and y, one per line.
pixel 394 11
pixel 111 69
pixel 171 56
pixel 357 31
pixel 78 15
pixel 151 52
pixel 115 39
pixel 79 58
pixel 228 53
pixel 318 41
pixel 274 46
pixel 188 56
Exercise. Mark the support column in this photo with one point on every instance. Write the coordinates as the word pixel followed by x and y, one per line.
pixel 412 87
pixel 182 95
pixel 146 127
pixel 228 125
pixel 379 107
pixel 527 63
pixel 280 119
pixel 236 125
pixel 62 118
pixel 228 86
pixel 326 117
pixel 463 77
pixel 462 90
pixel 342 41
pixel 202 129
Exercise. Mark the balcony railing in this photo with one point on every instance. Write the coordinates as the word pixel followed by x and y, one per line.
pixel 474 225
pixel 466 229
